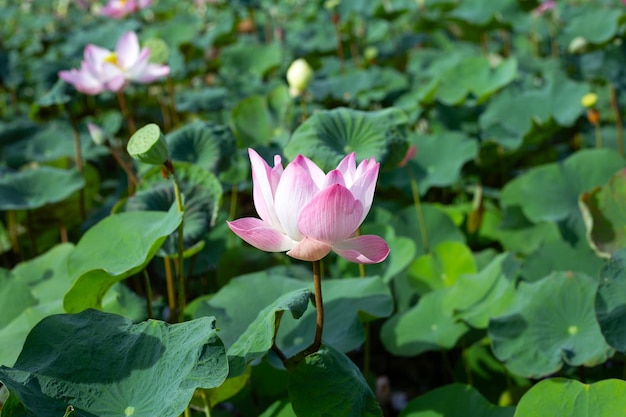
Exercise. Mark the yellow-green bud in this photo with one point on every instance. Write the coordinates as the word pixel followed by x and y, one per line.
pixel 589 100
pixel 299 76
pixel 159 51
pixel 148 145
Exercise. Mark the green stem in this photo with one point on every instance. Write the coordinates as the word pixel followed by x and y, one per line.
pixel 598 136
pixel 148 294
pixel 180 271
pixel 420 213
pixel 13 233
pixel 78 156
pixel 171 298
pixel 130 123
pixel 319 306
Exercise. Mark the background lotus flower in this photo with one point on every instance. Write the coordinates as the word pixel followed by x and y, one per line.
pixel 309 213
pixel 117 9
pixel 111 70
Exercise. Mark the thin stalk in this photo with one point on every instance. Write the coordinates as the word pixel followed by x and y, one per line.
pixel 13 233
pixel 130 123
pixel 420 213
pixel 146 278
pixel 63 232
pixel 132 178
pixel 171 298
pixel 180 271
pixel 206 409
pixel 618 120
pixel 171 92
pixel 340 54
pixel 598 135
pixel 319 306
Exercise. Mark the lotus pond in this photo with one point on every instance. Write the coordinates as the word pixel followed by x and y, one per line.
pixel 282 208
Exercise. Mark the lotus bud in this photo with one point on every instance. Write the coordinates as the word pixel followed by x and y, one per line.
pixel 589 100
pixel 299 76
pixel 577 45
pixel 159 51
pixel 148 145
pixel 98 136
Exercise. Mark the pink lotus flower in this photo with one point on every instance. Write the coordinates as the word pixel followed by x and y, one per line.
pixel 309 213
pixel 112 70
pixel 117 9
pixel 544 7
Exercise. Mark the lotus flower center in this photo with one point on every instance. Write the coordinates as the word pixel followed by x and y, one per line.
pixel 112 59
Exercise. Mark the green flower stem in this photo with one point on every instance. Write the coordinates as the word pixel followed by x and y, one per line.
pixel 180 271
pixel 598 135
pixel 172 96
pixel 13 233
pixel 367 346
pixel 420 213
pixel 171 298
pixel 319 306
pixel 618 120
pixel 130 123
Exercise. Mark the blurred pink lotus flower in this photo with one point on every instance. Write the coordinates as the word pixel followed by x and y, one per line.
pixel 111 70
pixel 118 9
pixel 309 213
pixel 544 7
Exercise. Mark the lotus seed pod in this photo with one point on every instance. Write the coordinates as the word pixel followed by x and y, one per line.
pixel 148 145
pixel 589 100
pixel 299 76
pixel 159 51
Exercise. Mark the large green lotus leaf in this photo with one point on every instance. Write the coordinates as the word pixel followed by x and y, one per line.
pixel 347 303
pixel 259 120
pixel 105 365
pixel 425 327
pixel 329 135
pixel 402 251
pixel 37 187
pixel 46 280
pixel 550 192
pixel 339 388
pixel 258 338
pixel 550 323
pixel 474 77
pixel 610 301
pixel 178 29
pixel 250 58
pixel 114 249
pixel 513 114
pixel 456 400
pixel 478 297
pixel 205 144
pixel 359 86
pixel 515 232
pixel 15 297
pixel 557 397
pixel 204 100
pixel 558 255
pixel 441 267
pixel 484 12
pixel 439 227
pixel 235 317
pixel 594 24
pixel 438 161
pixel 604 215
pixel 202 193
